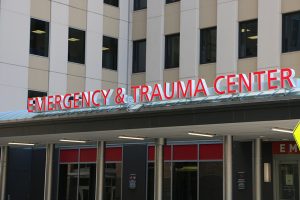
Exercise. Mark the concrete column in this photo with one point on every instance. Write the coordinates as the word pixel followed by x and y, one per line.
pixel 155 41
pixel 94 33
pixel 159 168
pixel 227 168
pixel 3 166
pixel 100 167
pixel 58 48
pixel 269 37
pixel 227 36
pixel 189 40
pixel 258 169
pixel 48 171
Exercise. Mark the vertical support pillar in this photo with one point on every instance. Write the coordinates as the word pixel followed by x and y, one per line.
pixel 3 167
pixel 48 171
pixel 227 168
pixel 159 168
pixel 258 169
pixel 189 40
pixel 100 167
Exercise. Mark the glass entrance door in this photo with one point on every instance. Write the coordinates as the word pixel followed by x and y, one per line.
pixel 287 175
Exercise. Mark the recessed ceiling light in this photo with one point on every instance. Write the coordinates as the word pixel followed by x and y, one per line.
pixel 201 134
pixel 253 37
pixel 39 31
pixel 105 48
pixel 20 144
pixel 73 141
pixel 130 137
pixel 282 130
pixel 73 39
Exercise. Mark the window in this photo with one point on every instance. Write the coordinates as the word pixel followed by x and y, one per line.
pixel 39 37
pixel 166 182
pixel 110 53
pixel 140 4
pixel 113 183
pixel 76 52
pixel 291 32
pixel 208 45
pixel 248 39
pixel 185 181
pixel 172 51
pixel 171 1
pixel 211 180
pixel 139 56
pixel 77 181
pixel 112 2
pixel 32 93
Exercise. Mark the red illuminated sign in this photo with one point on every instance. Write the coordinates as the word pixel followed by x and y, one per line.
pixel 285 148
pixel 223 84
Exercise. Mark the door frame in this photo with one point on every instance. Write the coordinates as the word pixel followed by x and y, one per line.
pixel 277 159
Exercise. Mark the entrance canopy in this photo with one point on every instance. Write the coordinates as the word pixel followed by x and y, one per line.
pixel 243 116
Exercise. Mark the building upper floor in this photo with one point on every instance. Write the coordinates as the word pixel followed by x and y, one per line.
pixel 60 46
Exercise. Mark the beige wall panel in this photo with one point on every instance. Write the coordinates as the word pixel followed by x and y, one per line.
pixel 40 9
pixel 111 11
pixel 138 79
pixel 77 18
pixel 291 60
pixel 208 72
pixel 172 18
pixel 75 84
pixel 109 85
pixel 290 6
pixel 109 75
pixel 39 62
pixel 81 4
pixel 171 75
pixel 248 9
pixel 38 80
pixel 208 13
pixel 139 24
pixel 247 65
pixel 76 69
pixel 110 27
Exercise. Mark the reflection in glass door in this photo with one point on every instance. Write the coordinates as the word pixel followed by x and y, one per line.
pixel 287 186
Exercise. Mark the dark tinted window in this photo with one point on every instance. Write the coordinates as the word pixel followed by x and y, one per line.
pixel 291 32
pixel 139 56
pixel 140 4
pixel 208 45
pixel 185 181
pixel 110 53
pixel 32 93
pixel 112 2
pixel 171 1
pixel 248 39
pixel 39 37
pixel 76 46
pixel 172 46
pixel 211 180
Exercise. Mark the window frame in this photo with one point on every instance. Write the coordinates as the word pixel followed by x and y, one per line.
pixel 111 3
pixel 166 50
pixel 137 6
pixel 284 46
pixel 240 38
pixel 134 64
pixel 201 45
pixel 171 1
pixel 81 62
pixel 115 61
pixel 46 54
